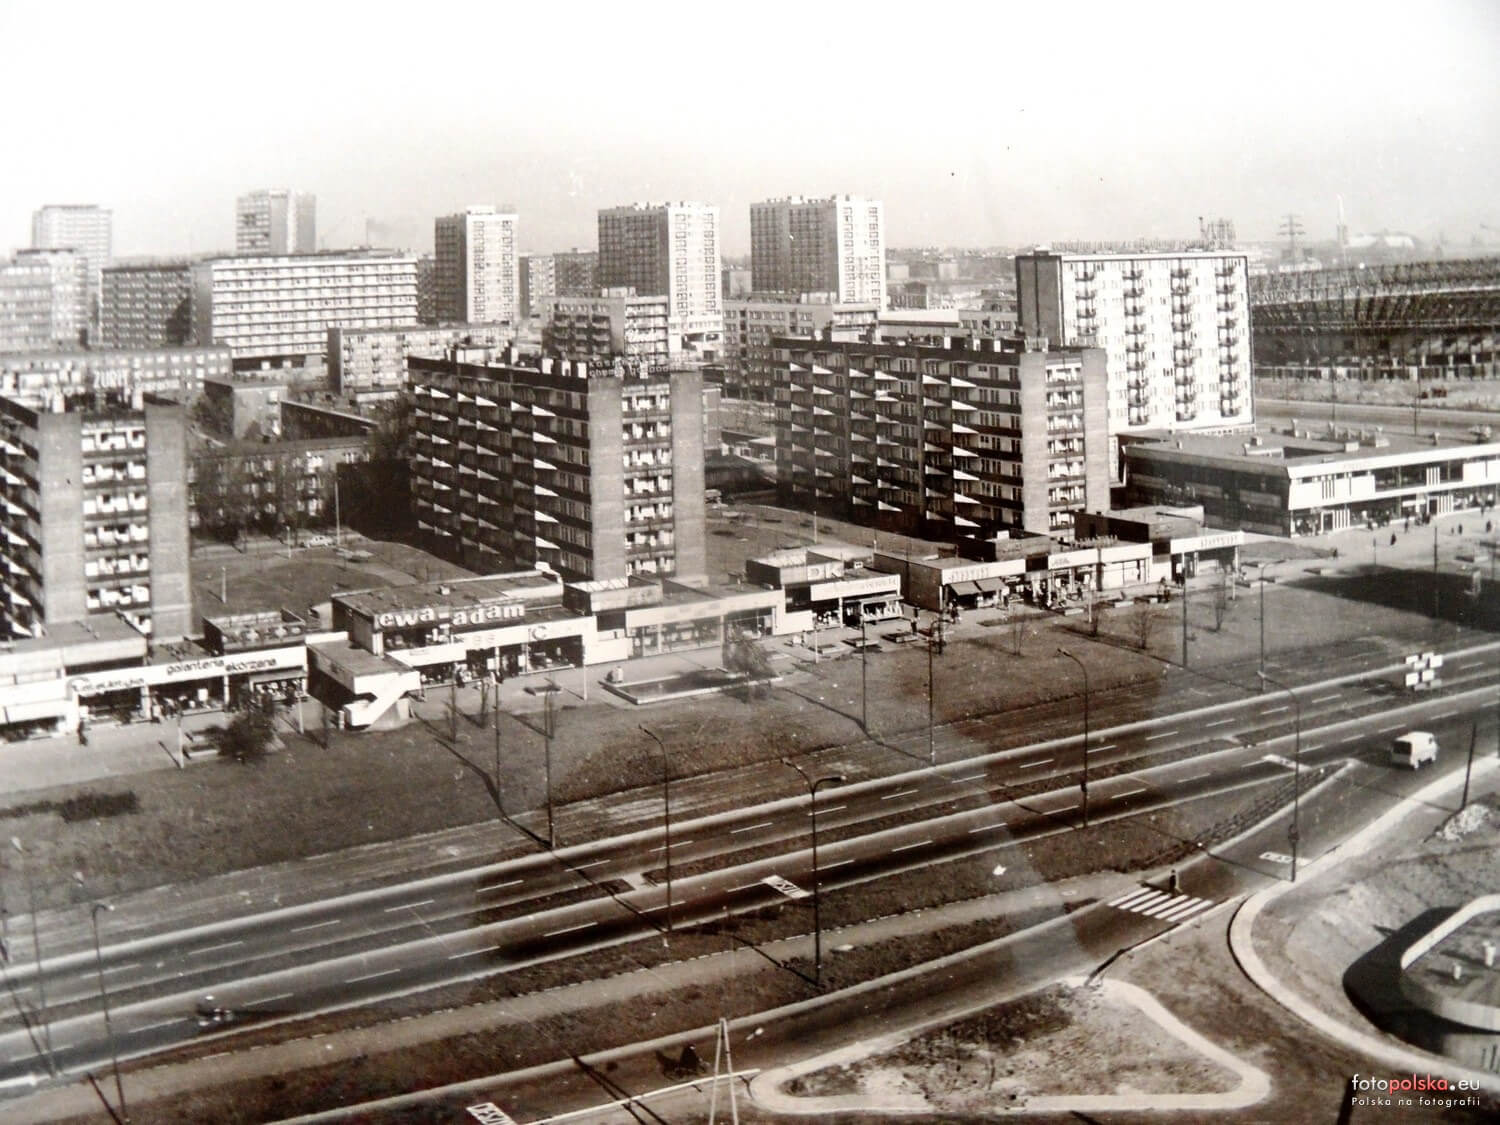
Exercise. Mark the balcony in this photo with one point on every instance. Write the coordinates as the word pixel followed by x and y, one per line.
pixel 1133 293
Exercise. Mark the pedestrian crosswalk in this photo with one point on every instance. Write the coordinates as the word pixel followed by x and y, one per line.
pixel 1161 904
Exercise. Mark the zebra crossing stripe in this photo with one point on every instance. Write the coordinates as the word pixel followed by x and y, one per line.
pixel 1192 906
pixel 1161 908
pixel 1127 902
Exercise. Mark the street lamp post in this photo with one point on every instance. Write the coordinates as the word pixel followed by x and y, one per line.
pixel 109 1030
pixel 36 947
pixel 666 811
pixel 1083 786
pixel 547 722
pixel 1294 834
pixel 864 658
pixel 812 801
pixel 1261 672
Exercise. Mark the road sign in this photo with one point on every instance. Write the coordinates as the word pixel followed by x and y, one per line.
pixel 1422 670
pixel 488 1113
pixel 1284 763
pixel 1275 857
pixel 784 886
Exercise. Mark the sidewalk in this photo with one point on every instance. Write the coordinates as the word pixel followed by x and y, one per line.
pixel 1264 960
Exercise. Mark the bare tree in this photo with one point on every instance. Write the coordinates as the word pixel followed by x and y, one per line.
pixel 1143 623
pixel 1221 600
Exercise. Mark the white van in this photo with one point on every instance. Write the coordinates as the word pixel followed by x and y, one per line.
pixel 1413 748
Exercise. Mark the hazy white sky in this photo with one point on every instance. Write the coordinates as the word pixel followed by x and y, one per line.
pixel 977 125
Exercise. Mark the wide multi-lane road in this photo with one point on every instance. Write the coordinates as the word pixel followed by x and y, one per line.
pixel 363 947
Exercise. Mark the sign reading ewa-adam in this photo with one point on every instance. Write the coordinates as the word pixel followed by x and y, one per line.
pixel 459 617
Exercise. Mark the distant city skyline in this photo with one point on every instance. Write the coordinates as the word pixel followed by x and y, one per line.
pixel 988 127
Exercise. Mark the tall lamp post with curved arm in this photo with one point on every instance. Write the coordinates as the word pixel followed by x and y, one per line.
pixel 812 799
pixel 666 810
pixel 1083 785
pixel 1294 834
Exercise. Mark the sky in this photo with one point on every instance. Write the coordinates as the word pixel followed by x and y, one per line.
pixel 985 125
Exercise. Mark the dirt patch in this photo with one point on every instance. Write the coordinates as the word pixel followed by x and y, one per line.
pixel 1057 1041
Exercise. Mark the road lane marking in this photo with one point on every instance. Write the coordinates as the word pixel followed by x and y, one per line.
pixel 970 777
pixel 752 827
pixel 826 809
pixel 371 976
pixel 409 906
pixel 270 999
pixel 498 887
pixel 590 863
pixel 1351 738
pixel 1276 710
pixel 1445 714
pixel 1106 746
pixel 908 847
pixel 743 887
pixel 215 948
pixel 121 968
pixel 1387 730
pixel 1221 722
pixel 1178 913
pixel 835 863
pixel 987 828
pixel 1065 808
pixel 1323 698
pixel 675 844
pixel 1192 777
pixel 1163 734
pixel 1128 793
pixel 569 929
pixel 899 793
pixel 315 926
pixel 1125 902
pixel 469 953
pixel 1029 765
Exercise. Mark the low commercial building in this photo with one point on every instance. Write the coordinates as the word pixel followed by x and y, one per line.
pixel 176 373
pixel 1301 483
pixel 830 584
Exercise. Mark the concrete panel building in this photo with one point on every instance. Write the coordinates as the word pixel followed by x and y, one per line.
pixel 477 271
pixel 95 513
pixel 362 361
pixel 834 245
pixel 146 305
pixel 609 325
pixel 82 227
pixel 671 250
pixel 279 309
pixel 276 221
pixel 752 325
pixel 44 301
pixel 594 472
pixel 1174 326
pixel 948 438
pixel 175 373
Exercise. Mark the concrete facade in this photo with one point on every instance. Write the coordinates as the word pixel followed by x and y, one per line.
pixel 834 246
pixel 276 221
pixel 477 267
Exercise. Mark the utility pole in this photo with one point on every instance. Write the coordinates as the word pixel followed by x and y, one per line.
pixel 36 946
pixel 1436 604
pixel 1294 834
pixel 547 727
pixel 812 801
pixel 864 658
pixel 109 1030
pixel 1084 785
pixel 1184 611
pixel 666 808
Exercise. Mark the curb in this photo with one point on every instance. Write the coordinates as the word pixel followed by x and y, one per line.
pixel 1242 947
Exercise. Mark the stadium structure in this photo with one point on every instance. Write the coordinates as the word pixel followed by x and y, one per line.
pixel 1412 320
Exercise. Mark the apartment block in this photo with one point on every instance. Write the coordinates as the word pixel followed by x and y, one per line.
pixel 572 273
pixel 671 250
pixel 609 325
pixel 276 221
pixel 477 272
pixel 174 373
pixel 95 513
pixel 82 227
pixel 279 309
pixel 946 437
pixel 427 289
pixel 1174 326
pixel 146 305
pixel 366 360
pixel 834 245
pixel 593 472
pixel 753 324
pixel 44 300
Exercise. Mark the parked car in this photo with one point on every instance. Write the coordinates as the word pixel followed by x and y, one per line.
pixel 1413 748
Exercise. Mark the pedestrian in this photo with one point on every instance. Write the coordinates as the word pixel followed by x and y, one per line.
pixel 1173 884
pixel 1393 539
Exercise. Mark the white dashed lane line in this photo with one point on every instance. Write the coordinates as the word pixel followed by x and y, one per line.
pixel 1163 734
pixel 214 948
pixel 1031 765
pixel 409 906
pixel 371 976
pixel 752 827
pixel 569 929
pixel 314 926
pixel 899 793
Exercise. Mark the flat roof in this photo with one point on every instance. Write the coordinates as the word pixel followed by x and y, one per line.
pixel 454 592
pixel 1266 447
pixel 102 627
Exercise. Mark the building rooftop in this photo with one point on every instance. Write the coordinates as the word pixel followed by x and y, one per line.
pixel 1285 449
pixel 455 592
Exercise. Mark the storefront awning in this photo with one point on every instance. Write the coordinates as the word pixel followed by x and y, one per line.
pixel 964 589
pixel 990 585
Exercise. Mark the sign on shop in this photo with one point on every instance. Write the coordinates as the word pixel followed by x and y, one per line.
pixel 973 573
pixel 885 583
pixel 464 615
pixel 1206 542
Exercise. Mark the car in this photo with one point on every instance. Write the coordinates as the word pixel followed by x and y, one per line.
pixel 318 541
pixel 1413 748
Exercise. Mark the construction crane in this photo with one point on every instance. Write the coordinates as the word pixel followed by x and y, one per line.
pixel 1291 228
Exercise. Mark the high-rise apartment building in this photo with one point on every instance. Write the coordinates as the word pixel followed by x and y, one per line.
pixel 96 513
pixel 834 245
pixel 671 250
pixel 572 273
pixel 427 290
pixel 85 228
pixel 281 308
pixel 538 274
pixel 477 273
pixel 1175 326
pixel 752 325
pixel 364 361
pixel 613 324
pixel 146 305
pixel 594 472
pixel 175 373
pixel 276 221
pixel 945 437
pixel 44 300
